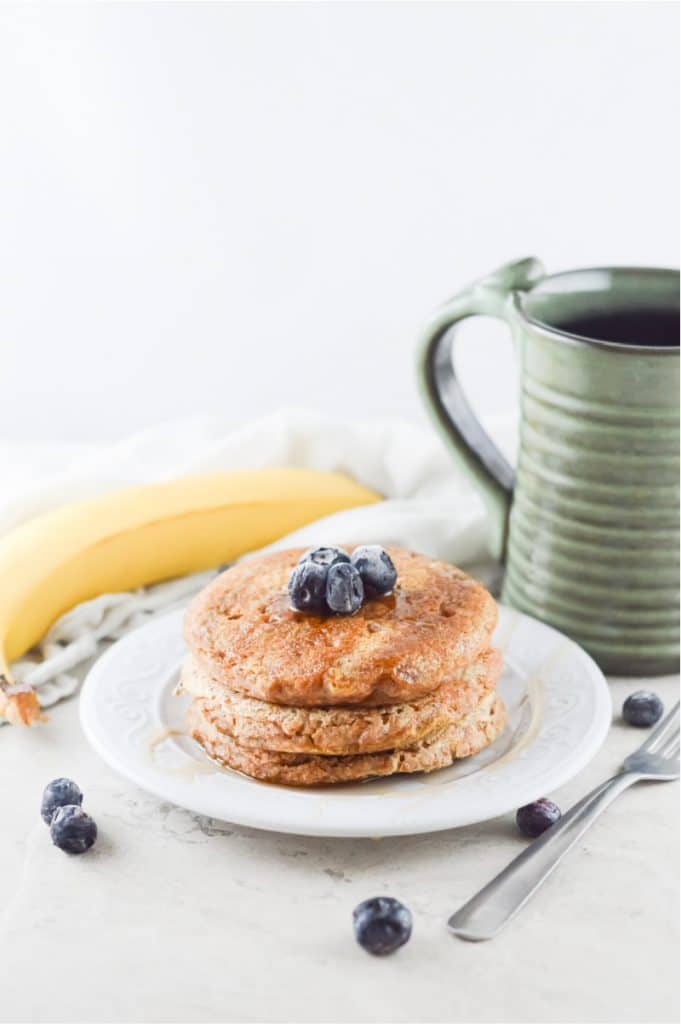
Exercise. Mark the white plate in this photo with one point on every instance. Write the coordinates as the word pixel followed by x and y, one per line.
pixel 558 707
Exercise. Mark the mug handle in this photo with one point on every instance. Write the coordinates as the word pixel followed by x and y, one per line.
pixel 446 401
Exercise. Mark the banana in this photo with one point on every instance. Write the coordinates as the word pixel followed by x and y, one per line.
pixel 141 535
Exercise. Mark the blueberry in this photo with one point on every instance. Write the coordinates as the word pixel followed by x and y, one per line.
pixel 535 818
pixel 376 568
pixel 344 589
pixel 307 588
pixel 324 556
pixel 72 829
pixel 642 709
pixel 382 925
pixel 58 793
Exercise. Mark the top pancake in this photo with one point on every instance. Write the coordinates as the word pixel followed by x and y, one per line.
pixel 243 631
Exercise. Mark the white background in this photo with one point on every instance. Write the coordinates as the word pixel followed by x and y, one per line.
pixel 236 207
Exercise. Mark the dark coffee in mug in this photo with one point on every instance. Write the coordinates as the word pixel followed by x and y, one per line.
pixel 648 327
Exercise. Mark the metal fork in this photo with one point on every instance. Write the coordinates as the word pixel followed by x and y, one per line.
pixel 482 917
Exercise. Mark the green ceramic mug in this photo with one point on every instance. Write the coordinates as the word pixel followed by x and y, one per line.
pixel 588 523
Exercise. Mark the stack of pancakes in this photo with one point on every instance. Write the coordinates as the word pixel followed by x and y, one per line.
pixel 406 684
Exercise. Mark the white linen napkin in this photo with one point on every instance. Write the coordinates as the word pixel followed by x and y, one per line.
pixel 429 506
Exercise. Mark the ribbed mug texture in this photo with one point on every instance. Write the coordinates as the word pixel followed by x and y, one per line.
pixel 593 543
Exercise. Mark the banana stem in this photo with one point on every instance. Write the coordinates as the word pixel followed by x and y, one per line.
pixel 18 701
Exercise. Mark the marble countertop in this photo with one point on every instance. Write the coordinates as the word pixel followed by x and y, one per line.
pixel 175 917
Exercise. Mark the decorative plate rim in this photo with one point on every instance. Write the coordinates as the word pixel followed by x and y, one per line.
pixel 121 711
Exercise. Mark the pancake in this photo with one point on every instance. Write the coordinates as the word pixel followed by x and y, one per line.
pixel 475 730
pixel 340 730
pixel 395 649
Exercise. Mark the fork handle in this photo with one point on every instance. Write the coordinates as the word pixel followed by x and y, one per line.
pixel 501 899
